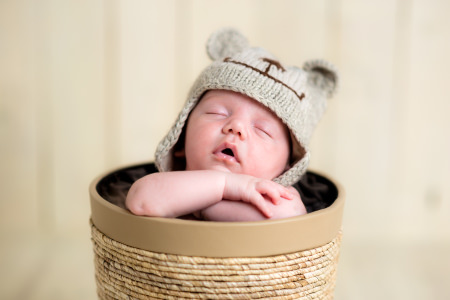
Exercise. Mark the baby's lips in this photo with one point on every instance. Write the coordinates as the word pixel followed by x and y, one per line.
pixel 231 147
pixel 225 157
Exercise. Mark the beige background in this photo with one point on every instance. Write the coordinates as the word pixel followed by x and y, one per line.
pixel 87 86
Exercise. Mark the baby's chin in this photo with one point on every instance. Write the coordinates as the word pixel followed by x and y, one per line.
pixel 218 167
pixel 222 168
pixel 232 169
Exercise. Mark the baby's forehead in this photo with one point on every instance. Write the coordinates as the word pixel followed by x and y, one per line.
pixel 227 97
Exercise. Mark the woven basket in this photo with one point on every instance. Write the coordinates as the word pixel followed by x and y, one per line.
pixel 157 258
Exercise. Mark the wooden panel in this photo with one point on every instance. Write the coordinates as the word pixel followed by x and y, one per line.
pixel 18 203
pixel 112 98
pixel 73 76
pixel 363 134
pixel 391 147
pixel 426 127
pixel 147 76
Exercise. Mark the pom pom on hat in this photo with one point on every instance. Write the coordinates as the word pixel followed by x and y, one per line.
pixel 225 42
pixel 323 75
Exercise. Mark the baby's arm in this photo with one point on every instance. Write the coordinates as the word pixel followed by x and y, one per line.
pixel 226 211
pixel 173 194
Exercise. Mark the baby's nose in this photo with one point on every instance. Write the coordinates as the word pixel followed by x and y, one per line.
pixel 235 127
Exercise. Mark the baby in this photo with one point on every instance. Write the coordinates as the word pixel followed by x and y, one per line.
pixel 240 141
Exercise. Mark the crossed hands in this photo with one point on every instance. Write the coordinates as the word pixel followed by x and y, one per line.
pixel 261 193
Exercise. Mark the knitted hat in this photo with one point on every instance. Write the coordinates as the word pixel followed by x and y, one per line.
pixel 297 96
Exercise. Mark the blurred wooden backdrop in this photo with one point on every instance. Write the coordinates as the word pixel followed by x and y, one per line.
pixel 87 86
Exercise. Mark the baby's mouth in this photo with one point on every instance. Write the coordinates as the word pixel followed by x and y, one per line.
pixel 228 151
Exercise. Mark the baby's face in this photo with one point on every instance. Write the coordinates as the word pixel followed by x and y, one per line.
pixel 231 132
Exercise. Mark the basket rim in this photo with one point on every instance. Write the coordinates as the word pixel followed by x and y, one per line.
pixel 217 239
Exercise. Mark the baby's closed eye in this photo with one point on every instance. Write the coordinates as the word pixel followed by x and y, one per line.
pixel 264 129
pixel 216 112
pixel 219 110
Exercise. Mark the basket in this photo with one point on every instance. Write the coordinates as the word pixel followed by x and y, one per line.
pixel 157 258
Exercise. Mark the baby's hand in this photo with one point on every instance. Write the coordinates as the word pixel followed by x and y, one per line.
pixel 255 191
pixel 287 209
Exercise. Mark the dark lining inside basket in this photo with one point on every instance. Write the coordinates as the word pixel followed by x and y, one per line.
pixel 317 192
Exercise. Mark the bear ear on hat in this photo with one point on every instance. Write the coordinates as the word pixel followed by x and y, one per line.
pixel 323 75
pixel 225 42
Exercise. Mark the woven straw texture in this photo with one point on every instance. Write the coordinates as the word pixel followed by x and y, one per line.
pixel 124 272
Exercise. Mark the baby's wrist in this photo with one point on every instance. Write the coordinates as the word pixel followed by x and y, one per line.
pixel 232 186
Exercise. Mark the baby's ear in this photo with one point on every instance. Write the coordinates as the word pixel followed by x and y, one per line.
pixel 323 75
pixel 179 153
pixel 225 43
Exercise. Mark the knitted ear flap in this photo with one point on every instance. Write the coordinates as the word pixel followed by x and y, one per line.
pixel 225 42
pixel 323 75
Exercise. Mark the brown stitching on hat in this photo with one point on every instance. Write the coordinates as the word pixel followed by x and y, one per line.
pixel 273 62
pixel 228 59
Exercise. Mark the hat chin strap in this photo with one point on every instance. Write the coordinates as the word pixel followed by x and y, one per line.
pixel 293 174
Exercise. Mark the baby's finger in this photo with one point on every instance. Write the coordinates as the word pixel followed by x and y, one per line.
pixel 260 203
pixel 286 194
pixel 267 212
pixel 277 192
pixel 271 194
